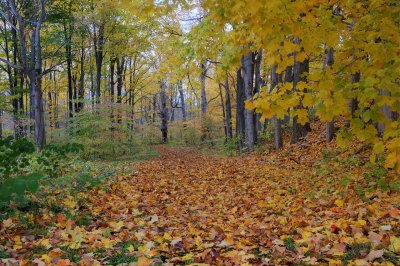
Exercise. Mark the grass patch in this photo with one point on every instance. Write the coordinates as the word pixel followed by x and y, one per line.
pixel 121 258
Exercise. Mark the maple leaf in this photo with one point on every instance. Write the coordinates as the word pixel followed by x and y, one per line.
pixel 7 223
pixel 77 236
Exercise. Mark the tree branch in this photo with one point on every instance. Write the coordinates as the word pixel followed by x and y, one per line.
pixel 11 64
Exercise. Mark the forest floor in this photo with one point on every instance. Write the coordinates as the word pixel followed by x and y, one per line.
pixel 185 207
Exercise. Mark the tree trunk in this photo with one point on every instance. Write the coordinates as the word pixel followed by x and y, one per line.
pixel 120 69
pixel 163 112
pixel 98 50
pixel 299 69
pixel 68 55
pixel 257 90
pixel 247 63
pixel 228 110
pixel 182 99
pixel 240 97
pixel 223 112
pixel 203 88
pixel 81 92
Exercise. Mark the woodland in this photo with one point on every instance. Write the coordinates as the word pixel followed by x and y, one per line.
pixel 199 132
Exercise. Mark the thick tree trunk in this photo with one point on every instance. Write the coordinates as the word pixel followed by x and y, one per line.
pixel 203 75
pixel 13 81
pixel 223 111
pixel 299 131
pixel 163 112
pixel 81 92
pixel 112 81
pixel 68 55
pixel 120 80
pixel 240 98
pixel 182 100
pixel 98 49
pixel 228 110
pixel 247 63
pixel 257 90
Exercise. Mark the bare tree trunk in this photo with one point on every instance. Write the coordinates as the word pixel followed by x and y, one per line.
pixel 247 62
pixel 163 112
pixel 240 97
pixel 182 99
pixel 120 68
pixel 68 54
pixel 257 90
pixel 299 69
pixel 98 50
pixel 223 111
pixel 228 110
pixel 81 92
pixel 203 88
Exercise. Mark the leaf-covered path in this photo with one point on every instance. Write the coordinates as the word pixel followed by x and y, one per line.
pixel 184 207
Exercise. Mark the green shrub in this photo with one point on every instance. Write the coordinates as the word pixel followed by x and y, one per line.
pixel 14 155
pixel 15 189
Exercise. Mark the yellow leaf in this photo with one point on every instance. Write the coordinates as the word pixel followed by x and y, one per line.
pixel 167 236
pixel 46 258
pixel 339 202
pixel 107 243
pixel 143 261
pixel 7 223
pixel 360 223
pixel 187 257
pixel 70 203
pixel 394 244
pixel 130 248
pixel 283 220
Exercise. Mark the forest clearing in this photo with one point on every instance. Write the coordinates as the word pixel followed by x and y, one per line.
pixel 199 132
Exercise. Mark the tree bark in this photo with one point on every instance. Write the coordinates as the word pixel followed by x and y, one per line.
pixel 182 100
pixel 163 112
pixel 247 63
pixel 68 55
pixel 299 69
pixel 240 97
pixel 81 92
pixel 98 50
pixel 203 88
pixel 228 110
pixel 257 90
pixel 223 111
